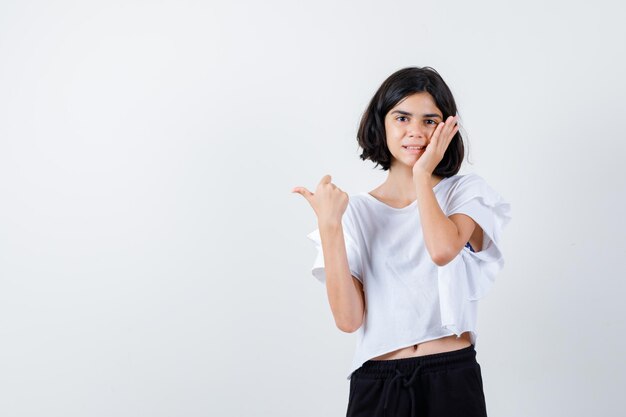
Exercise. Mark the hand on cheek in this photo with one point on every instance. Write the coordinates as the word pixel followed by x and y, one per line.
pixel 439 141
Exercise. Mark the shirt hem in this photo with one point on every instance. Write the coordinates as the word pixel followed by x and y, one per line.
pixel 414 342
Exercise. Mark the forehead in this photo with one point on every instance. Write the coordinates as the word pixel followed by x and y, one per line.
pixel 422 101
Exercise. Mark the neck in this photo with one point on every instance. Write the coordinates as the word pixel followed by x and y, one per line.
pixel 399 184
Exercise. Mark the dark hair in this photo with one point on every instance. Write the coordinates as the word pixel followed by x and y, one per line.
pixel 399 85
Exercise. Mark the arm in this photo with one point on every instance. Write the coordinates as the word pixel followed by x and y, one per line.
pixel 345 293
pixel 444 236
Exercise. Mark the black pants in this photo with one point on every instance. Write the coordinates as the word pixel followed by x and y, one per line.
pixel 447 384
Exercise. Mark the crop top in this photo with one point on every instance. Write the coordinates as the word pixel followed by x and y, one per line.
pixel 408 298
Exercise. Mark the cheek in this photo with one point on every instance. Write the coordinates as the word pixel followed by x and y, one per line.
pixel 392 130
pixel 430 130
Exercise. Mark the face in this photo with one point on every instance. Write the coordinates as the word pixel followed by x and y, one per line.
pixel 411 122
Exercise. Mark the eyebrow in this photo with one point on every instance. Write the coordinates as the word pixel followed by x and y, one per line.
pixel 406 113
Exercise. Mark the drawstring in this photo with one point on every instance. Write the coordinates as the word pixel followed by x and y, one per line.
pixel 406 384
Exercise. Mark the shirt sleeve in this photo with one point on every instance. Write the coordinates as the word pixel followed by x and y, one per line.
pixel 470 275
pixel 352 249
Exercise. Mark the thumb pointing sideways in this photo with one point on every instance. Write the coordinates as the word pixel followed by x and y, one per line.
pixel 303 192
pixel 306 193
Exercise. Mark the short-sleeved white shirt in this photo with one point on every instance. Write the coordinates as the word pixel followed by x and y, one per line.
pixel 408 298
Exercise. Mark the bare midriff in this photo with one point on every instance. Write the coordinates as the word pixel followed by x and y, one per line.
pixel 444 344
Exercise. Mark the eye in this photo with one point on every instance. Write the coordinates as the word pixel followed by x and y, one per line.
pixel 430 120
pixel 400 117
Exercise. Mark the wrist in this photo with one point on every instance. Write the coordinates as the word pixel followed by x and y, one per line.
pixel 422 177
pixel 329 224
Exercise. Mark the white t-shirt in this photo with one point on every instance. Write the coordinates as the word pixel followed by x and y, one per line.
pixel 408 298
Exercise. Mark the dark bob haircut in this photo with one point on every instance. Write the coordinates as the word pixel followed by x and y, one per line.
pixel 401 84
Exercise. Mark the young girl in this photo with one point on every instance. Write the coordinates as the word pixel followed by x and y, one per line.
pixel 405 264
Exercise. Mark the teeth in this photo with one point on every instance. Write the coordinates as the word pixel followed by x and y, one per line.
pixel 414 147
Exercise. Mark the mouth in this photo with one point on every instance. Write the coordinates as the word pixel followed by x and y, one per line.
pixel 414 149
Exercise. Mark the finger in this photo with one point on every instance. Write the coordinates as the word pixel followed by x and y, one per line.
pixel 451 122
pixel 448 138
pixel 303 192
pixel 449 131
pixel 453 130
pixel 325 179
pixel 437 131
pixel 450 125
pixel 441 137
pixel 456 121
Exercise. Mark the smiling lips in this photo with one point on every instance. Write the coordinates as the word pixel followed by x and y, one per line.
pixel 413 149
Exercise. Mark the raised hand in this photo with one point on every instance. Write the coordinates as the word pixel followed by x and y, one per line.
pixel 329 202
pixel 437 146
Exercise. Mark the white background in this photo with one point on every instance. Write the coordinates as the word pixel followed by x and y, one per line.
pixel 154 262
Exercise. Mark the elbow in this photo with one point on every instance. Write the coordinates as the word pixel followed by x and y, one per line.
pixel 348 327
pixel 442 258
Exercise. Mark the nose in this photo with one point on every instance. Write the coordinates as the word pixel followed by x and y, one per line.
pixel 414 130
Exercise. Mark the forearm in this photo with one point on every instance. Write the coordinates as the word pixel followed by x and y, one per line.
pixel 440 233
pixel 346 302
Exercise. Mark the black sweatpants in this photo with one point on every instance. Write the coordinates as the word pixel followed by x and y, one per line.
pixel 447 384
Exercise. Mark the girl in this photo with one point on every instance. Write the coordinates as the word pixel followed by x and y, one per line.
pixel 405 264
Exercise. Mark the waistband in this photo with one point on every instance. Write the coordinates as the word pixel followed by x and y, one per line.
pixel 433 362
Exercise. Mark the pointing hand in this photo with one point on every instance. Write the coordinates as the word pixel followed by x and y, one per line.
pixel 329 202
